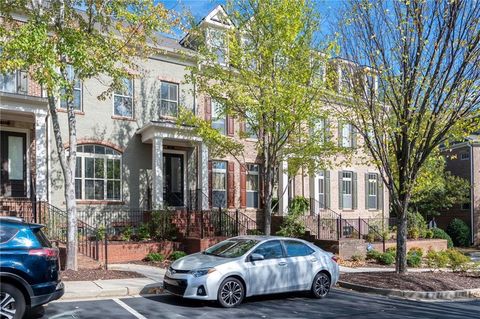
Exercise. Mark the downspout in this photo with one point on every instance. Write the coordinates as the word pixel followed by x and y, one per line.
pixel 472 192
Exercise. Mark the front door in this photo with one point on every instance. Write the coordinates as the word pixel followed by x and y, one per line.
pixel 13 160
pixel 173 179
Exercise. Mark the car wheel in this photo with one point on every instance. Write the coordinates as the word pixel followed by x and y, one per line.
pixel 230 293
pixel 12 302
pixel 321 285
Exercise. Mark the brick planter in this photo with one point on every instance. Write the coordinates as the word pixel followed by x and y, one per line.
pixel 119 252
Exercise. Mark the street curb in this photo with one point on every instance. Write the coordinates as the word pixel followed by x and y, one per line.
pixel 409 294
pixel 151 289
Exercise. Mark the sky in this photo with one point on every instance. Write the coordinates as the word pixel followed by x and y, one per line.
pixel 200 8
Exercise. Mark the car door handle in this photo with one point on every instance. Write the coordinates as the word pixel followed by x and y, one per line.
pixel 282 264
pixel 314 260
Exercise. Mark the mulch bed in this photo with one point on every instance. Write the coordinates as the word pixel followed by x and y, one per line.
pixel 161 264
pixel 424 281
pixel 97 274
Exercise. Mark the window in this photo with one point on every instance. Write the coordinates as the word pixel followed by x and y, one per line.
pixel 15 82
pixel 98 173
pixel 465 156
pixel 320 129
pixel 218 44
pixel 249 130
pixel 372 190
pixel 347 190
pixel 77 90
pixel 297 249
pixel 7 233
pixel 219 184
pixel 346 79
pixel 253 178
pixel 219 121
pixel 123 99
pixel 270 250
pixel 232 248
pixel 169 99
pixel 321 189
pixel 346 135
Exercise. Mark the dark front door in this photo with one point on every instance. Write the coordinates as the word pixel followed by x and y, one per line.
pixel 173 179
pixel 13 160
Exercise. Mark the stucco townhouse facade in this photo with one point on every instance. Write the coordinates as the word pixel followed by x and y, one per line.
pixel 463 160
pixel 133 156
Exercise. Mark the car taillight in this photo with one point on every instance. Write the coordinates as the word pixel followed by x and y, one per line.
pixel 50 253
pixel 335 258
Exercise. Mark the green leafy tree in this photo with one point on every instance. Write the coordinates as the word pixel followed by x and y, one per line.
pixel 425 55
pixel 271 81
pixel 436 189
pixel 106 38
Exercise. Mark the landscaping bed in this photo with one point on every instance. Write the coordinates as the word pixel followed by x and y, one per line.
pixel 161 264
pixel 97 274
pixel 421 281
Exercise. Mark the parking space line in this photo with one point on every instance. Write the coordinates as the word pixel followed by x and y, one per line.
pixel 129 309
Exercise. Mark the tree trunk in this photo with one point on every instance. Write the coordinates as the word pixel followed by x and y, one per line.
pixel 68 170
pixel 401 208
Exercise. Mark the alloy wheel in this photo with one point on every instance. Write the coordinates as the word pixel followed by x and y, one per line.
pixel 7 306
pixel 231 293
pixel 322 285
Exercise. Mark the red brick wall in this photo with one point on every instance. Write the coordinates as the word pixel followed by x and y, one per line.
pixel 194 245
pixel 119 252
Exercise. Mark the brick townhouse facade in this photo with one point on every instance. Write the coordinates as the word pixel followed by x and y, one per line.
pixel 463 160
pixel 133 155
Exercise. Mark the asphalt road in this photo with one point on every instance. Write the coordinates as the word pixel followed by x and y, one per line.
pixel 339 304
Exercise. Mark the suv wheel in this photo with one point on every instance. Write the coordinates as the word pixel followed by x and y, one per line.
pixel 12 302
pixel 321 285
pixel 230 293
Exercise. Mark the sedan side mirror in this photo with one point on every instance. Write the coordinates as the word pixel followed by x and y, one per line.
pixel 255 257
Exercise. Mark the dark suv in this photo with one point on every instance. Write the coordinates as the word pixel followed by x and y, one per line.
pixel 29 268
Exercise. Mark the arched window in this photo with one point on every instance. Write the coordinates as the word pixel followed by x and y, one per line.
pixel 98 175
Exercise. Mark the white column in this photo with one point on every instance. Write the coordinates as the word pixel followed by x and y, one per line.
pixel 203 176
pixel 283 188
pixel 41 156
pixel 157 170
pixel 314 194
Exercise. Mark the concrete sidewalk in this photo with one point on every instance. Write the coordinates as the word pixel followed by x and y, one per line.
pixel 152 284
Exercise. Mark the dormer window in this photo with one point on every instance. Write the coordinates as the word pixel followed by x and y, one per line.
pixel 217 41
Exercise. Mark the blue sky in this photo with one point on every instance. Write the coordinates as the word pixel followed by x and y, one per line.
pixel 200 8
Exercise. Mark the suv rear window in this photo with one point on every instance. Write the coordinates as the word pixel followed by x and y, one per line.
pixel 42 239
pixel 7 233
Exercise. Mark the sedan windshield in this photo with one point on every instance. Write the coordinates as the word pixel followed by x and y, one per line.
pixel 231 248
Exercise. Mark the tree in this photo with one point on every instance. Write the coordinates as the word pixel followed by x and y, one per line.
pixel 425 55
pixel 106 38
pixel 436 189
pixel 271 82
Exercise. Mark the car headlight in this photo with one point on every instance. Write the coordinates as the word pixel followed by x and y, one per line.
pixel 202 272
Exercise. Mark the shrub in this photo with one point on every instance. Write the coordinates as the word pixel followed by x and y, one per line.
pixel 370 237
pixel 391 250
pixel 416 225
pixel 127 233
pixel 177 255
pixel 292 225
pixel 143 232
pixel 457 261
pixel 414 257
pixel 386 259
pixel 373 254
pixel 357 257
pixel 459 232
pixel 101 233
pixel 429 234
pixel 441 234
pixel 155 257
pixel 437 259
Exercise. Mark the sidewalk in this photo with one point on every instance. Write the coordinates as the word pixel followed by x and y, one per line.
pixel 152 284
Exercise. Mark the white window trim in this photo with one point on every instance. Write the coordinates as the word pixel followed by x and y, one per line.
pixel 347 179
pixel 125 96
pixel 375 182
pixel 167 100
pixel 221 171
pixel 83 155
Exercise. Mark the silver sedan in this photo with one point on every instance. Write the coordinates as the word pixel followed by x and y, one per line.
pixel 244 266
